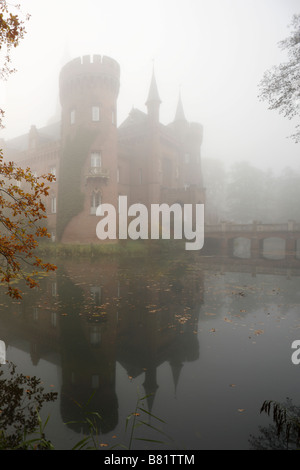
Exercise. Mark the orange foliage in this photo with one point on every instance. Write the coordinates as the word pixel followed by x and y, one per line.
pixel 21 212
pixel 12 30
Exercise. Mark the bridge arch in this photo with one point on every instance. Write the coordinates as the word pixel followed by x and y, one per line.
pixel 241 247
pixel 274 247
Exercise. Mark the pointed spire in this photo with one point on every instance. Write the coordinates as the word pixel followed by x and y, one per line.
pixel 179 116
pixel 153 95
pixel 176 367
pixel 150 385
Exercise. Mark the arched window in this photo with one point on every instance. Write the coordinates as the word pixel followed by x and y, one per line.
pixel 95 201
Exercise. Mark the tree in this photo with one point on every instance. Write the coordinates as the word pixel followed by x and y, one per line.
pixel 21 193
pixel 21 209
pixel 12 30
pixel 280 85
pixel 246 191
pixel 21 399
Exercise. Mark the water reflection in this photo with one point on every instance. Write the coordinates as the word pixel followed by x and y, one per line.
pixel 95 315
pixel 150 317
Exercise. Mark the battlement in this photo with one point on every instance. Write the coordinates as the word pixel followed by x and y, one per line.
pixel 90 63
pixel 89 67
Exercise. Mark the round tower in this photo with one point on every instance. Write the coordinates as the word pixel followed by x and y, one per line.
pixel 88 90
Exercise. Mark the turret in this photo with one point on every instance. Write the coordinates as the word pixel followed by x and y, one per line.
pixel 153 102
pixel 179 116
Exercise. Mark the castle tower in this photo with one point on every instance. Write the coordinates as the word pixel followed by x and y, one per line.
pixel 88 88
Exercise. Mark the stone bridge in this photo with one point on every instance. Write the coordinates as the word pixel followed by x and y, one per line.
pixel 228 234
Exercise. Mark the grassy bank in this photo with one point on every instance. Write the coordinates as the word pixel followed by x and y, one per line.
pixel 138 248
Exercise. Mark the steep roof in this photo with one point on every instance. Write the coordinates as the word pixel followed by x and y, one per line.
pixel 153 94
pixel 179 116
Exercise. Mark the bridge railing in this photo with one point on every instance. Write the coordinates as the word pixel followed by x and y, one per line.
pixel 290 226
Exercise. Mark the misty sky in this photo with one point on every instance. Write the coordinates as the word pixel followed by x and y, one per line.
pixel 214 51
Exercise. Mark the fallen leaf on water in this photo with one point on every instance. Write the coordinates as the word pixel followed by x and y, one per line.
pixel 258 332
pixel 240 410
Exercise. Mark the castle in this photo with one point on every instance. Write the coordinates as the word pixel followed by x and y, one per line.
pixel 96 161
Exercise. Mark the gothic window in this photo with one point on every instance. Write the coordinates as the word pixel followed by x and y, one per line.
pixel 95 201
pixel 95 113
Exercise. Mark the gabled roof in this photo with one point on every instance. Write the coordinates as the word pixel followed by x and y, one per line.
pixel 134 117
pixel 45 134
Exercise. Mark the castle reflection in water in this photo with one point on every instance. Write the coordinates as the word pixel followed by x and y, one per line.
pixel 89 316
pixel 140 313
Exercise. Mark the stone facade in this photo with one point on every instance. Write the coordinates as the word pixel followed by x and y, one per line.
pixel 96 161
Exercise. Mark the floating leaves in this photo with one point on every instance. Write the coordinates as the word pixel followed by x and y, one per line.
pixel 258 332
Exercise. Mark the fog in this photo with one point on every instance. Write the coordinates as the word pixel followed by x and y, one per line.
pixel 214 52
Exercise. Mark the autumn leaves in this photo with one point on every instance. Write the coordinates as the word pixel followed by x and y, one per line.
pixel 21 211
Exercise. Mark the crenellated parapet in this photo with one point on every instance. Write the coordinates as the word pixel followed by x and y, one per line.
pixel 89 71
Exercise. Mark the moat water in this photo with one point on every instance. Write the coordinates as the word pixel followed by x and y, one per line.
pixel 206 340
